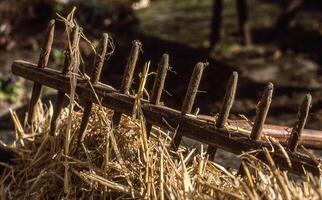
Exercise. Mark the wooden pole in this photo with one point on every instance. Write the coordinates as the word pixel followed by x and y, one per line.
pixel 42 63
pixel 216 22
pixel 58 106
pixel 95 76
pixel 261 114
pixel 287 15
pixel 225 110
pixel 243 22
pixel 158 85
pixel 297 130
pixel 262 110
pixel 128 76
pixel 189 98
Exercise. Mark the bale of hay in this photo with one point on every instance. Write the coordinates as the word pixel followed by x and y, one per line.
pixel 111 163
pixel 120 163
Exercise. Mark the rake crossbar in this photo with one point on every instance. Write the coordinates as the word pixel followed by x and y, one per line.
pixel 165 117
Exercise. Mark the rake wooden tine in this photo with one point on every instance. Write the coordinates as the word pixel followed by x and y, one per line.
pixel 225 110
pixel 42 63
pixel 95 76
pixel 58 106
pixel 228 101
pixel 302 115
pixel 128 76
pixel 189 98
pixel 158 85
pixel 261 110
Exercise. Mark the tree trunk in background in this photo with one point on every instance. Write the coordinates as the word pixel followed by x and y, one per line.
pixel 215 23
pixel 243 22
pixel 287 15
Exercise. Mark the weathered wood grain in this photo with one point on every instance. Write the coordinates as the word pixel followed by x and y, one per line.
pixel 164 117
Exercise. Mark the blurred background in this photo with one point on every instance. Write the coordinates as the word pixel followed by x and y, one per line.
pixel 264 40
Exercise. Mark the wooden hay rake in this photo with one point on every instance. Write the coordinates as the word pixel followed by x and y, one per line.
pixel 214 133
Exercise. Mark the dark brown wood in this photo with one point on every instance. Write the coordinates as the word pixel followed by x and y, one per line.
pixel 42 63
pixel 95 76
pixel 287 15
pixel 211 151
pixel 225 110
pixel 310 139
pixel 216 22
pixel 261 114
pixel 192 89
pixel 158 85
pixel 58 106
pixel 189 99
pixel 262 110
pixel 243 22
pixel 99 60
pixel 128 76
pixel 164 117
pixel 299 126
pixel 228 101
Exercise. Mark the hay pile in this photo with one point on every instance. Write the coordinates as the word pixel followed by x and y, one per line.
pixel 121 163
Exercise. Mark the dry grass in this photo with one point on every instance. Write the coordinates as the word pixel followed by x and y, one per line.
pixel 133 168
pixel 138 171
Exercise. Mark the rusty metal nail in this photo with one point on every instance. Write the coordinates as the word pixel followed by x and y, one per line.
pixel 42 63
pixel 95 76
pixel 262 110
pixel 158 85
pixel 301 120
